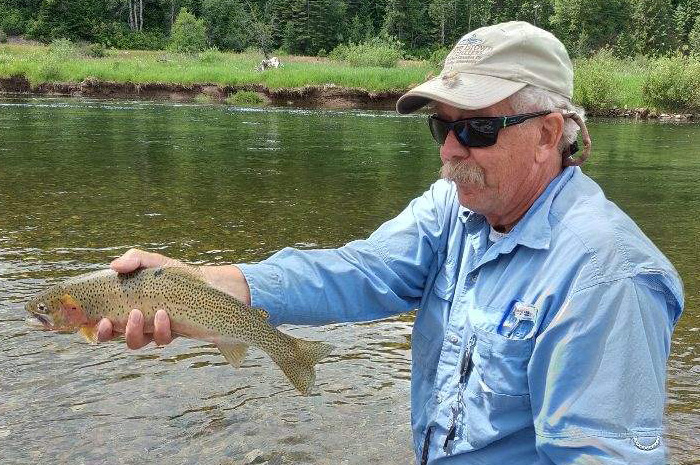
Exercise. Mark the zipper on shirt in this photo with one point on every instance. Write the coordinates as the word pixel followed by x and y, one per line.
pixel 426 446
pixel 464 371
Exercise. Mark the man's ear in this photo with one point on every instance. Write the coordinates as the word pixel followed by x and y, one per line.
pixel 550 134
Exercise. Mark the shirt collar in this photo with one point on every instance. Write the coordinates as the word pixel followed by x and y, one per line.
pixel 534 229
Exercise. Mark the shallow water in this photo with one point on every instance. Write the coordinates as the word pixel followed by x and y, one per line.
pixel 82 181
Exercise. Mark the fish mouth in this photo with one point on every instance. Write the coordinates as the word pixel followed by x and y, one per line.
pixel 39 320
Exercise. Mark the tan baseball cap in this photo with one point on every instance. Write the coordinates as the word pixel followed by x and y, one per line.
pixel 492 63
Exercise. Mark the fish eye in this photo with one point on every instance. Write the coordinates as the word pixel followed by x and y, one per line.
pixel 42 307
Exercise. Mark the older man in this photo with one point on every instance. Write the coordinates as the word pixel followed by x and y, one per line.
pixel 545 314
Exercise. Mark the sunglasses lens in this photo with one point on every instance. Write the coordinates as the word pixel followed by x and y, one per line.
pixel 475 132
pixel 480 133
pixel 438 129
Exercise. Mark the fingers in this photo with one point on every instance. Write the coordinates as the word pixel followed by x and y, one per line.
pixel 135 338
pixel 104 330
pixel 134 259
pixel 161 331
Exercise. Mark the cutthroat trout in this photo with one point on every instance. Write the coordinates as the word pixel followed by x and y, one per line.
pixel 196 310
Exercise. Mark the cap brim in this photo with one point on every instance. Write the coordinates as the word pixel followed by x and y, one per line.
pixel 466 91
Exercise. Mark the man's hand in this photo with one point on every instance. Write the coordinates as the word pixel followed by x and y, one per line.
pixel 226 278
pixel 135 337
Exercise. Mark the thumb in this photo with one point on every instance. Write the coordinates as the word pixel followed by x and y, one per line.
pixel 135 259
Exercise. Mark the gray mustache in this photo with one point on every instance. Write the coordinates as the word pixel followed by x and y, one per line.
pixel 461 172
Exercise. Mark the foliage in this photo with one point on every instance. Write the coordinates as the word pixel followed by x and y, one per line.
pixel 437 58
pixel 628 27
pixel 117 35
pixel 245 97
pixel 595 86
pixel 63 48
pixel 310 25
pixel 578 24
pixel 653 26
pixel 227 23
pixel 694 38
pixel 3 36
pixel 95 50
pixel 11 20
pixel 384 52
pixel 188 33
pixel 211 55
pixel 673 83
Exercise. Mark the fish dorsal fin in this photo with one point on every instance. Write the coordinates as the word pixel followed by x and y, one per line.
pixel 89 332
pixel 262 313
pixel 234 353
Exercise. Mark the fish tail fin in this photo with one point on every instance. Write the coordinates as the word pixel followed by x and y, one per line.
pixel 298 364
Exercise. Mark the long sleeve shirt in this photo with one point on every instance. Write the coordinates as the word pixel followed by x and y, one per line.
pixel 546 346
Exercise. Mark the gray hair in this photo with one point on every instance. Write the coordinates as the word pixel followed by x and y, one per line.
pixel 531 99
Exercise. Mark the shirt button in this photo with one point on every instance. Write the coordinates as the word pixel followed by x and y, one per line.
pixel 475 277
pixel 438 397
pixel 454 339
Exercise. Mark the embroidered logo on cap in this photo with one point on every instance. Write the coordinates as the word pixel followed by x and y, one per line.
pixel 469 50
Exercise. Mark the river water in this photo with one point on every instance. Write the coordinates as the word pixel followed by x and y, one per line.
pixel 82 181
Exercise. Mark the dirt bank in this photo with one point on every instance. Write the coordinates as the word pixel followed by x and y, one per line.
pixel 325 96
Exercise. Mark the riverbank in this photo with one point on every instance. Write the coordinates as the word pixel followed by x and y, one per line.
pixel 604 85
pixel 325 96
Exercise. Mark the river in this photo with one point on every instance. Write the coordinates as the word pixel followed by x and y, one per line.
pixel 82 181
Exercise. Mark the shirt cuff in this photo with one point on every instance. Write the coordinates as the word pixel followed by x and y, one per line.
pixel 266 290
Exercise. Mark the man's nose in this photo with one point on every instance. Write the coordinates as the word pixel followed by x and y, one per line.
pixel 452 149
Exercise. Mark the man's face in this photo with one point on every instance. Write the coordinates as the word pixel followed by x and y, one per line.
pixel 504 168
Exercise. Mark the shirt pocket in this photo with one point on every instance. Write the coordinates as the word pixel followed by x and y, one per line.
pixel 496 400
pixel 446 280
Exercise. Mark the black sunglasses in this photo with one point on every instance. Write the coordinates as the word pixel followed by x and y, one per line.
pixel 476 132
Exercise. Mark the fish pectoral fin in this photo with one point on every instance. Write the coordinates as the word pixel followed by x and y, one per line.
pixel 89 333
pixel 234 353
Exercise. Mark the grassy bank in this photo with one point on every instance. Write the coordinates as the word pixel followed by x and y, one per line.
pixel 40 65
pixel 603 83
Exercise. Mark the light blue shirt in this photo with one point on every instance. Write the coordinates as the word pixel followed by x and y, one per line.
pixel 548 345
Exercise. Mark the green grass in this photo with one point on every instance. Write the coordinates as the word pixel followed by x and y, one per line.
pixel 601 82
pixel 39 65
pixel 245 98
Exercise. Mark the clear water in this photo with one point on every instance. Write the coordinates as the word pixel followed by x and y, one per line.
pixel 82 181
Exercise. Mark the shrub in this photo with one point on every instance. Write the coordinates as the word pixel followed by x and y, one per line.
pixel 63 48
pixel 245 97
pixel 118 35
pixel 3 37
pixel 11 21
pixel 673 84
pixel 437 58
pixel 95 50
pixel 596 87
pixel 212 55
pixel 49 71
pixel 383 52
pixel 188 34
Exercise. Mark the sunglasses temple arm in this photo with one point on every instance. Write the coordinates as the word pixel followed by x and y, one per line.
pixel 578 161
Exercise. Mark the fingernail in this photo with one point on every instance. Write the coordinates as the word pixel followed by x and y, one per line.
pixel 160 315
pixel 135 315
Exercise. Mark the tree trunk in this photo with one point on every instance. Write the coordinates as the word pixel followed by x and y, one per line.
pixel 140 15
pixel 131 16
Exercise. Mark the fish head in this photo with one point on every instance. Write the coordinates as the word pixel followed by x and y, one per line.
pixel 55 309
